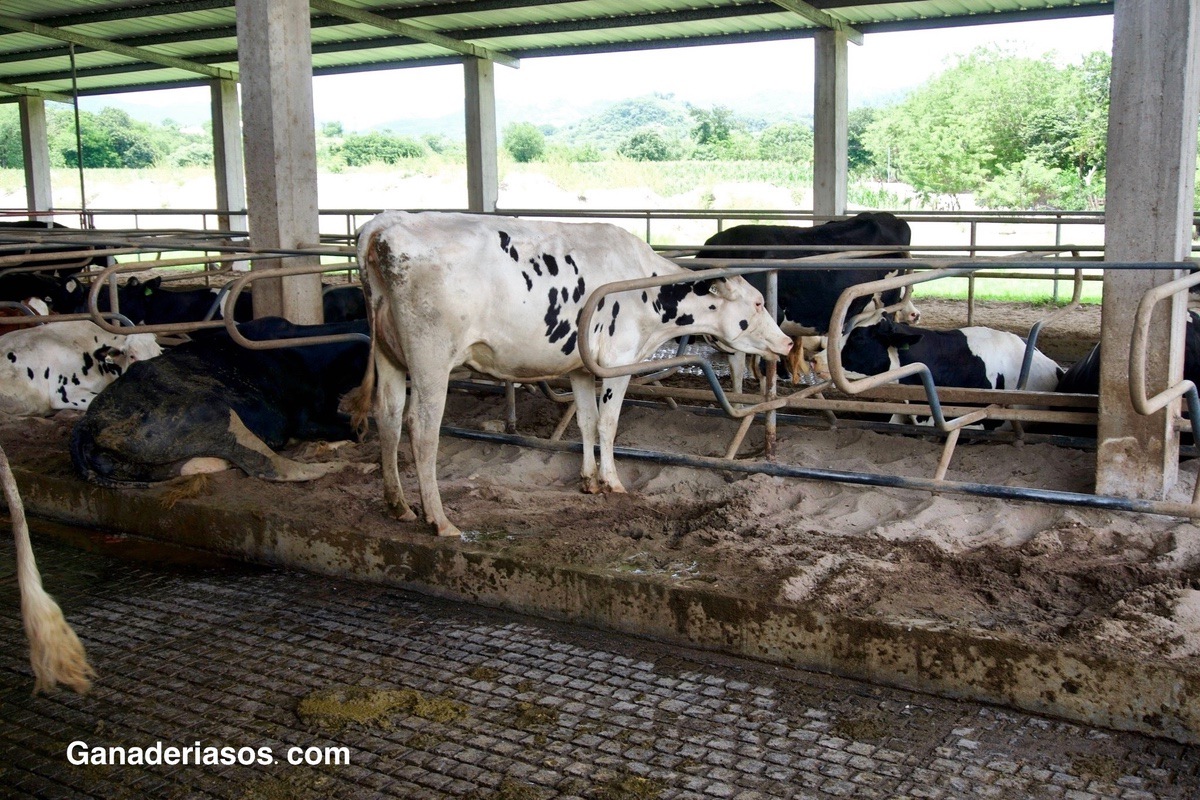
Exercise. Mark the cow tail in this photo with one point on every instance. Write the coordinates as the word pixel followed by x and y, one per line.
pixel 55 652
pixel 360 404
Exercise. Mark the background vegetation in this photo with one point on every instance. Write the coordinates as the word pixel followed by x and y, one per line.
pixel 1006 131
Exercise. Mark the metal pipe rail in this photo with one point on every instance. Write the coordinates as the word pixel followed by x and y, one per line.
pixel 1058 497
pixel 235 288
pixel 1138 355
pixel 641 367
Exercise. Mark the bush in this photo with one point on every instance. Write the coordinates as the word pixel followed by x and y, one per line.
pixel 197 154
pixel 648 144
pixel 791 142
pixel 376 147
pixel 524 142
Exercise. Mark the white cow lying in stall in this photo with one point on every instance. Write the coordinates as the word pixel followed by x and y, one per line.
pixel 64 365
pixel 503 296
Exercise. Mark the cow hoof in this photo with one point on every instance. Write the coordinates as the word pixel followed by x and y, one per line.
pixel 402 512
pixel 448 529
pixel 590 486
pixel 613 488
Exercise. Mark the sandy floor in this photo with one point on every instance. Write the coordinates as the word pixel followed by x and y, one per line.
pixel 1110 582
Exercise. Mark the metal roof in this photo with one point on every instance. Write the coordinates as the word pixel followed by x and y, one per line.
pixel 57 48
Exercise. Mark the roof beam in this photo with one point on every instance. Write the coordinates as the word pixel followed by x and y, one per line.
pixel 821 18
pixel 25 91
pixel 136 53
pixel 413 32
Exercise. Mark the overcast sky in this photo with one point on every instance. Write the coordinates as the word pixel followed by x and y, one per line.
pixel 884 66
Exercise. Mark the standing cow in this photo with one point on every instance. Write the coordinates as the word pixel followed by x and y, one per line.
pixel 503 296
pixel 807 297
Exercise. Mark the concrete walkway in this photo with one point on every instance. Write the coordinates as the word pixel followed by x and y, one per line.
pixel 423 698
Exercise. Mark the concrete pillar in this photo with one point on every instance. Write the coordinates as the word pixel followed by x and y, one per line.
pixel 35 147
pixel 228 165
pixel 483 175
pixel 1150 179
pixel 275 65
pixel 830 122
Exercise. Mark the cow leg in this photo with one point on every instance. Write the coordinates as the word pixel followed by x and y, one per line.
pixel 583 388
pixel 252 455
pixel 389 419
pixel 430 383
pixel 612 394
pixel 737 371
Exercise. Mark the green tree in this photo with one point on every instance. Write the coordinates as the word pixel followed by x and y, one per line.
pixel 713 126
pixel 524 142
pixel 378 147
pixel 790 142
pixel 983 118
pixel 859 157
pixel 649 144
pixel 11 156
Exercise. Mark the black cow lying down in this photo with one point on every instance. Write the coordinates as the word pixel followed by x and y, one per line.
pixel 213 399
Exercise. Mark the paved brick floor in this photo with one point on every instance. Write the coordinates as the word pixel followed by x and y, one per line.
pixel 431 699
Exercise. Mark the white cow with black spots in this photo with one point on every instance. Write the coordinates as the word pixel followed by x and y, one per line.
pixel 503 296
pixel 64 365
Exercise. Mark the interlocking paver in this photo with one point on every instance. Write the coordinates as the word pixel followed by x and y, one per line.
pixel 216 655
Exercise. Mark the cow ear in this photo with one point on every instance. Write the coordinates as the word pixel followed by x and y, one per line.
pixel 133 282
pixel 105 353
pixel 903 341
pixel 704 287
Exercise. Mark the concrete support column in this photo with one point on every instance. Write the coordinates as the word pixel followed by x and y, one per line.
pixel 228 165
pixel 275 64
pixel 483 174
pixel 1151 174
pixel 830 115
pixel 35 147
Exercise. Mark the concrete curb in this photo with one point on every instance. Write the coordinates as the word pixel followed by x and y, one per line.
pixel 1157 699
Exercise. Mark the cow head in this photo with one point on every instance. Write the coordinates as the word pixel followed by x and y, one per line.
pixel 114 359
pixel 868 350
pixel 741 318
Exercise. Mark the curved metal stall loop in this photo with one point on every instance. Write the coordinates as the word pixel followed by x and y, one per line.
pixel 951 427
pixel 589 363
pixel 1139 350
pixel 236 287
pixel 108 277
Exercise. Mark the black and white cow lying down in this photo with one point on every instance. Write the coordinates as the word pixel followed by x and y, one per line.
pixel 503 296
pixel 63 365
pixel 973 358
pixel 213 399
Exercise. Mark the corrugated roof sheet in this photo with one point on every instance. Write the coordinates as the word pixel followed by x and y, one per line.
pixel 205 32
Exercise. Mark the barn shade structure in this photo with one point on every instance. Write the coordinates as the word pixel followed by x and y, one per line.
pixel 58 50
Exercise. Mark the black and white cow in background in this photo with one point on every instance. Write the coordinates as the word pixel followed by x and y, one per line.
pixel 807 297
pixel 60 296
pixel 503 296
pixel 211 401
pixel 63 365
